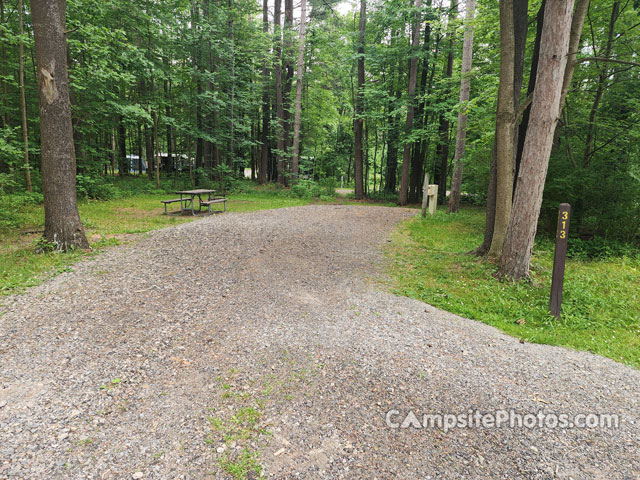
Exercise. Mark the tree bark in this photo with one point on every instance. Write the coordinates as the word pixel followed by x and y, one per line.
pixel 232 121
pixel 524 123
pixel 463 115
pixel 156 144
pixel 417 160
pixel 442 150
pixel 277 69
pixel 520 34
pixel 287 54
pixel 170 151
pixel 23 102
pixel 359 121
pixel 295 160
pixel 113 153
pixel 505 129
pixel 554 46
pixel 577 24
pixel 3 71
pixel 63 227
pixel 392 158
pixel 264 153
pixel 413 73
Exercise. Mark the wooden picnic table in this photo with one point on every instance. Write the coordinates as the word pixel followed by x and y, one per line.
pixel 187 198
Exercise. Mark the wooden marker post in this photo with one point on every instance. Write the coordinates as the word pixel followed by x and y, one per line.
pixel 425 194
pixel 559 259
pixel 433 199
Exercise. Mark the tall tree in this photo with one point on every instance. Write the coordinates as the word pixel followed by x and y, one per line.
pixel 3 69
pixel 603 78
pixel 577 24
pixel 554 47
pixel 23 101
pixel 264 152
pixel 442 150
pixel 520 36
pixel 295 159
pixel 63 227
pixel 505 129
pixel 359 111
pixel 277 70
pixel 463 115
pixel 413 73
pixel 287 56
pixel 421 121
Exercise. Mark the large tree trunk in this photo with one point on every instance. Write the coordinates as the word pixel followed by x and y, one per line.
pixel 505 129
pixel 23 102
pixel 63 227
pixel 545 110
pixel 264 153
pixel 359 121
pixel 295 160
pixel 465 89
pixel 520 34
pixel 524 123
pixel 413 73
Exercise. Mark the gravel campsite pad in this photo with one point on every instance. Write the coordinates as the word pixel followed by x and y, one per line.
pixel 259 344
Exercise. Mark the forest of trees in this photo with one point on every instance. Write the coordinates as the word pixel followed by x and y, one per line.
pixel 379 93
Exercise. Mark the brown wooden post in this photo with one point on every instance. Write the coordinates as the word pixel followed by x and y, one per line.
pixel 557 279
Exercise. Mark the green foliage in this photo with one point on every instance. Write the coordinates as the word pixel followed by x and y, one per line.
pixel 239 468
pixel 601 297
pixel 95 188
pixel 600 248
pixel 12 205
pixel 310 189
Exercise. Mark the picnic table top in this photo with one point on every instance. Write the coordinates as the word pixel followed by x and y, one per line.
pixel 195 192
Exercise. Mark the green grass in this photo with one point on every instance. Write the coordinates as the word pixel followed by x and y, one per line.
pixel 601 303
pixel 112 222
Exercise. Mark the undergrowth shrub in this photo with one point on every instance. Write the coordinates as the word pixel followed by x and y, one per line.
pixel 95 188
pixel 11 205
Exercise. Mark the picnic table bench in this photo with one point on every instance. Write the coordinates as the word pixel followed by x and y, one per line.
pixel 175 200
pixel 213 201
pixel 187 198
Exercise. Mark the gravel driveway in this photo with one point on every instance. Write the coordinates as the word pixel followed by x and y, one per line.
pixel 261 341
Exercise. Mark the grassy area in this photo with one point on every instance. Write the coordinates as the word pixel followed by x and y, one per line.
pixel 601 304
pixel 112 222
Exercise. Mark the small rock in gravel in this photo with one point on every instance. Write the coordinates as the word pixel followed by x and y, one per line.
pixel 137 475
